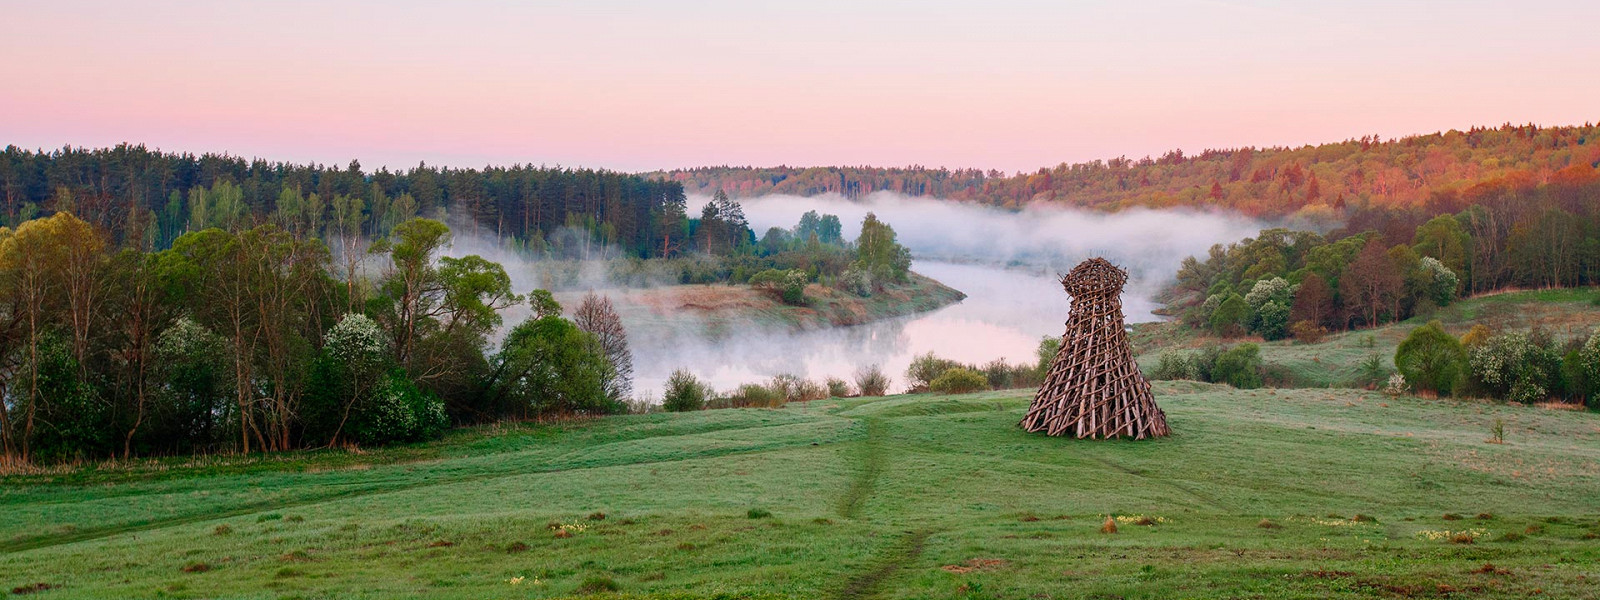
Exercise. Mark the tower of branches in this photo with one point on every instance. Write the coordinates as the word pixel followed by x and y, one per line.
pixel 1094 388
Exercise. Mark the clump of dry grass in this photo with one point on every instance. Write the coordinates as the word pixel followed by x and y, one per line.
pixel 196 567
pixel 1268 524
pixel 597 516
pixel 1464 537
pixel 1451 517
pixel 1490 569
pixel 1360 518
pixel 223 529
pixel 30 589
pixel 563 534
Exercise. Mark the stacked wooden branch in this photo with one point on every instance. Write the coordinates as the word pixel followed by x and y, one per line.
pixel 1094 388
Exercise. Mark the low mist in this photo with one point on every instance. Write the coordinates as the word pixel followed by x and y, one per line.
pixel 1007 263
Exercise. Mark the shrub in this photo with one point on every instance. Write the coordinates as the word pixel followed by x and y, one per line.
pixel 1230 317
pixel 959 380
pixel 792 388
pixel 1239 367
pixel 788 285
pixel 924 369
pixel 1205 363
pixel 871 381
pixel 1371 372
pixel 1173 366
pixel 399 411
pixel 684 392
pixel 1396 386
pixel 838 388
pixel 1515 367
pixel 1431 359
pixel 1308 332
pixel 1441 282
pixel 1589 368
pixel 856 280
pixel 750 395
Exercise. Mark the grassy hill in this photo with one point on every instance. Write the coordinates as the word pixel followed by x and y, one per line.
pixel 1257 495
pixel 1335 361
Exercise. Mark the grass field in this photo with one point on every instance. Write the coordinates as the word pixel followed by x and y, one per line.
pixel 1256 496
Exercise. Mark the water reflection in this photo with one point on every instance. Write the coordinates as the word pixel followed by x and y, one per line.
pixel 1006 312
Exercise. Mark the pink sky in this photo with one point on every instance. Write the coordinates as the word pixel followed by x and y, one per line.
pixel 645 85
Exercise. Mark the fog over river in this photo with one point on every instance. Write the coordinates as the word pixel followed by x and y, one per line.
pixel 1005 261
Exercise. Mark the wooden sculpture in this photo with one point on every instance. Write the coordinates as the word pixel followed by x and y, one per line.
pixel 1094 388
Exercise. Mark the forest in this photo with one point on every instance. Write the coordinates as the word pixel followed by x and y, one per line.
pixel 1312 183
pixel 254 340
pixel 145 197
pixel 1391 264
pixel 260 337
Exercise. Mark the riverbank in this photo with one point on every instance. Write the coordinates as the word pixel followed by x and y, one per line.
pixel 720 307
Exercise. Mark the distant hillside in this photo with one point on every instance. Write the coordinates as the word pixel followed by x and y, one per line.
pixel 1273 182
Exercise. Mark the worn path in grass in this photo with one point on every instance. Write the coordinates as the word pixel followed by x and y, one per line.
pixel 900 497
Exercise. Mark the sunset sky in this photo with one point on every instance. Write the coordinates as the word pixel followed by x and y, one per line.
pixel 636 85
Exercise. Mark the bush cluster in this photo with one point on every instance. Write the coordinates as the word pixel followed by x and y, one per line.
pixel 1512 366
pixel 1239 366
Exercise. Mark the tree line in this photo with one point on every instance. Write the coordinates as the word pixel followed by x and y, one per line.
pixel 1317 183
pixel 139 196
pixel 254 339
pixel 1387 265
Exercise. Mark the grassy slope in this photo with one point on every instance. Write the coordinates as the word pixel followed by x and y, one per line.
pixel 1335 360
pixel 870 498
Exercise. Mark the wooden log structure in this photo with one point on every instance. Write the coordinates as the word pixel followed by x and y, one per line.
pixel 1094 388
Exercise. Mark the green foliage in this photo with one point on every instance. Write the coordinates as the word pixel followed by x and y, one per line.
pixel 399 411
pixel 750 395
pixel 1174 365
pixel 1239 367
pixel 1371 372
pixel 1431 359
pixel 71 419
pixel 195 387
pixel 959 380
pixel 1589 361
pixel 879 254
pixel 1231 316
pixel 1049 346
pixel 547 366
pixel 684 392
pixel 1515 366
pixel 925 368
pixel 789 285
pixel 1440 283
pixel 856 280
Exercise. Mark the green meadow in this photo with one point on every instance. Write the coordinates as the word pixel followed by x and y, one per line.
pixel 1259 494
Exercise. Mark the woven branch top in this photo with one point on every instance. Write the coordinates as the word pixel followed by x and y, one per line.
pixel 1094 276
